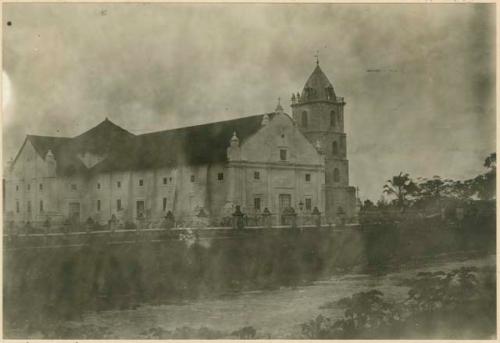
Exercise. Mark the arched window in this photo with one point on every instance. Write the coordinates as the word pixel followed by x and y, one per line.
pixel 333 119
pixel 335 148
pixel 336 175
pixel 304 119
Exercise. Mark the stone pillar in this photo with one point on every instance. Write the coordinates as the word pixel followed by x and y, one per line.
pixel 238 219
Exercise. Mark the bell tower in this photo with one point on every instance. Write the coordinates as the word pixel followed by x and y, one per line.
pixel 319 114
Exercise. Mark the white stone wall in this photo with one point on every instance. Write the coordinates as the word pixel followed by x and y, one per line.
pixel 187 189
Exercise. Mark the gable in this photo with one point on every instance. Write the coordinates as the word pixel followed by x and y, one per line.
pixel 280 134
pixel 26 162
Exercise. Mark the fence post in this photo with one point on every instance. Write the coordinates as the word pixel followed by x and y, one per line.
pixel 266 217
pixel 238 222
pixel 317 217
pixel 46 226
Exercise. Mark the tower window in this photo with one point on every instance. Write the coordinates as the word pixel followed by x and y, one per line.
pixel 29 186
pixel 41 186
pixel 118 204
pixel 17 206
pixel 41 205
pixel 164 180
pixel 335 148
pixel 220 176
pixel 333 119
pixel 308 177
pixel 17 188
pixel 73 186
pixel 118 184
pixel 164 204
pixel 29 206
pixel 256 175
pixel 98 205
pixel 336 175
pixel 304 119
pixel 192 178
pixel 141 182
pixel 98 185
pixel 282 154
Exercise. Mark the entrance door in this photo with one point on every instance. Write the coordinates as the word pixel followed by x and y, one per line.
pixel 74 212
pixel 139 209
pixel 285 201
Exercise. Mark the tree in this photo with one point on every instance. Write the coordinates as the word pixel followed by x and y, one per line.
pixel 491 162
pixel 401 186
pixel 434 188
pixel 461 190
pixel 368 205
pixel 484 186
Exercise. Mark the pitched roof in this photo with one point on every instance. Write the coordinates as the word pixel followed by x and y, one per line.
pixel 318 87
pixel 122 150
pixel 102 139
pixel 193 145
pixel 68 162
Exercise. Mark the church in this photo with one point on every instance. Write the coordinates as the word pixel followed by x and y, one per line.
pixel 265 162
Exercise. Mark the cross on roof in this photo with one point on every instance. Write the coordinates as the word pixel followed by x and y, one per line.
pixel 317 57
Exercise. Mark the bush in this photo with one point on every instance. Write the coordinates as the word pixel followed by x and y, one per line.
pixel 456 304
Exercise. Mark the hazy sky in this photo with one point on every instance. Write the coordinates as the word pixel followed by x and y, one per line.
pixel 419 80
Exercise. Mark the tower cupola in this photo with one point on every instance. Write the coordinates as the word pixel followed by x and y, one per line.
pixel 318 87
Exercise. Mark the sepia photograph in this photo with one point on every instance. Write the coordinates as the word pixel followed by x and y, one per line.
pixel 249 171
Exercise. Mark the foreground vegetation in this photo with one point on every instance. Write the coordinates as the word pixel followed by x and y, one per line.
pixel 460 304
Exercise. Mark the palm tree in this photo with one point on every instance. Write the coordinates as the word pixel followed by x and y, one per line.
pixel 401 186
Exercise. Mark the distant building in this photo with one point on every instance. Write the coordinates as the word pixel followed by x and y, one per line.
pixel 270 160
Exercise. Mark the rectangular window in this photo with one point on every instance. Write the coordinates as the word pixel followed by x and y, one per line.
pixel 308 177
pixel 29 206
pixel 141 182
pixel 308 204
pixel 17 206
pixel 41 205
pixel 192 178
pixel 282 154
pixel 118 184
pixel 164 180
pixel 41 186
pixel 170 179
pixel 98 205
pixel 73 187
pixel 98 185
pixel 220 176
pixel 29 186
pixel 118 204
pixel 164 204
pixel 139 208
pixel 17 188
pixel 256 175
pixel 256 204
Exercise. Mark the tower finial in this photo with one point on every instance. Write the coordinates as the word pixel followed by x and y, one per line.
pixel 317 57
pixel 279 109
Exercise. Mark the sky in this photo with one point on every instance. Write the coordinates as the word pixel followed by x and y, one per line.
pixel 418 80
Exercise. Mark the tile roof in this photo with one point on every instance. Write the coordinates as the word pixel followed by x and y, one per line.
pixel 123 150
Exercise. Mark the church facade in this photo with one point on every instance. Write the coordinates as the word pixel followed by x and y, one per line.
pixel 270 161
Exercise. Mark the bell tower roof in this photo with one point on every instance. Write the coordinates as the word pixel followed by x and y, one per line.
pixel 318 87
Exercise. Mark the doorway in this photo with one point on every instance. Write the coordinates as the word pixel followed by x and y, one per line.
pixel 74 212
pixel 285 201
pixel 139 209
